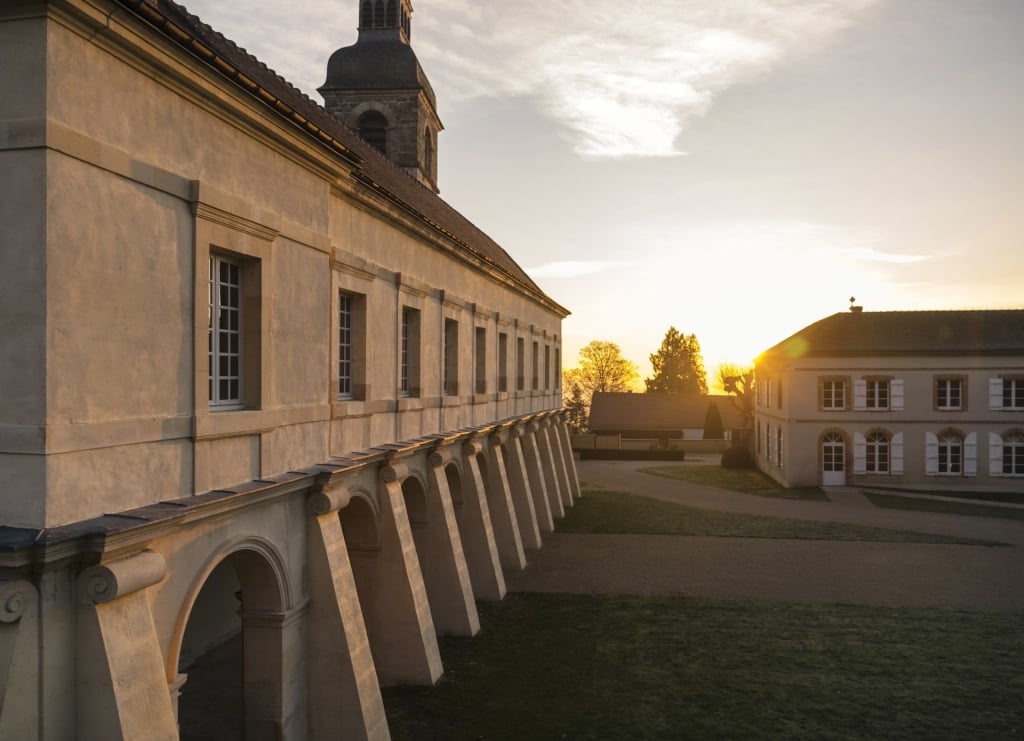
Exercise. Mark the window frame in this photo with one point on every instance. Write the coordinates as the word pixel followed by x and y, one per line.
pixel 878 453
pixel 215 354
pixel 835 383
pixel 943 386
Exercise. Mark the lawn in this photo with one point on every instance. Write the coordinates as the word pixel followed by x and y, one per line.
pixel 944 506
pixel 741 480
pixel 596 667
pixel 615 512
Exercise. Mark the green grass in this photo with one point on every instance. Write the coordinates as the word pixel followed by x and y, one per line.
pixel 596 667
pixel 918 504
pixel 615 512
pixel 1008 497
pixel 741 480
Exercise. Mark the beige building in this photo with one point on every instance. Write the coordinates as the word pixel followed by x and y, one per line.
pixel 261 390
pixel 929 399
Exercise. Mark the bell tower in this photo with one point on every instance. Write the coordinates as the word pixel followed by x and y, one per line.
pixel 377 87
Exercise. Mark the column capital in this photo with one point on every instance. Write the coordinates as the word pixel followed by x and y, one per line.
pixel 15 597
pixel 329 499
pixel 110 581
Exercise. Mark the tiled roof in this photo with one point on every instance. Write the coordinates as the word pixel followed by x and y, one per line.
pixel 301 112
pixel 624 412
pixel 871 333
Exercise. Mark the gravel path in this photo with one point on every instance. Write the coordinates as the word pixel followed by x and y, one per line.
pixel 891 574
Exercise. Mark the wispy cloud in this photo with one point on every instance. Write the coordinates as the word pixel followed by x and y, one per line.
pixel 620 80
pixel 573 268
pixel 866 254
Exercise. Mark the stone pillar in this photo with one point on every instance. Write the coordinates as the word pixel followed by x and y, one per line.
pixel 344 694
pixel 570 460
pixel 503 511
pixel 476 530
pixel 273 645
pixel 20 708
pixel 122 685
pixel 555 426
pixel 535 473
pixel 394 598
pixel 546 459
pixel 442 559
pixel 522 495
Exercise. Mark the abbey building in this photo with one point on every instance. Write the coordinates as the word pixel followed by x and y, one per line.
pixel 263 395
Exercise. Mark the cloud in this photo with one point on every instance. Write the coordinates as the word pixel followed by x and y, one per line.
pixel 573 268
pixel 866 254
pixel 619 80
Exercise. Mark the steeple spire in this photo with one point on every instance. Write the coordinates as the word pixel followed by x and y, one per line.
pixel 377 87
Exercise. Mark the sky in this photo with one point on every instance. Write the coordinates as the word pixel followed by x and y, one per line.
pixel 737 169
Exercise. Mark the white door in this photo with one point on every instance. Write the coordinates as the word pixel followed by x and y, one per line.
pixel 833 460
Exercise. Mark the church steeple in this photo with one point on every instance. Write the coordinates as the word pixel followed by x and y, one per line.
pixel 378 88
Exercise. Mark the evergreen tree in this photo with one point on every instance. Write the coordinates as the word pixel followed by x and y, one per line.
pixel 713 428
pixel 576 412
pixel 678 366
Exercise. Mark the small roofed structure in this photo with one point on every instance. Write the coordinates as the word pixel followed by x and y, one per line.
pixel 663 417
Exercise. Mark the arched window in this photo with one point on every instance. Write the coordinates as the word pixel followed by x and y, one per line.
pixel 877 453
pixel 373 127
pixel 428 153
pixel 1013 454
pixel 366 14
pixel 392 21
pixel 951 453
pixel 833 452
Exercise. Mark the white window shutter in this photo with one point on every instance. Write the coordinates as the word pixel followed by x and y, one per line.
pixel 896 454
pixel 896 394
pixel 995 393
pixel 971 454
pixel 931 453
pixel 995 454
pixel 860 394
pixel 859 453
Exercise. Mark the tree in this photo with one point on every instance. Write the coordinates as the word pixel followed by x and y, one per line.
pixel 738 381
pixel 576 411
pixel 602 368
pixel 713 429
pixel 678 366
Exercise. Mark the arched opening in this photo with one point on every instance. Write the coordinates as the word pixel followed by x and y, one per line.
pixel 1012 453
pixel 877 452
pixel 359 524
pixel 428 154
pixel 392 21
pixel 951 452
pixel 373 127
pixel 415 501
pixel 366 14
pixel 454 477
pixel 233 675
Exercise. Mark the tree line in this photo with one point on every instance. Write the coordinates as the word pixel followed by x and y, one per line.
pixel 678 369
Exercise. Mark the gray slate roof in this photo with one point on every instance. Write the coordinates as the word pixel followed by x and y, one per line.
pixel 892 333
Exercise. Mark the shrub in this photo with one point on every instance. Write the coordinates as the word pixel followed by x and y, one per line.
pixel 737 457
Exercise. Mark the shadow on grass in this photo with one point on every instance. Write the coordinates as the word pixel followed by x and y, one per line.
pixel 615 512
pixel 741 480
pixel 596 667
pixel 922 503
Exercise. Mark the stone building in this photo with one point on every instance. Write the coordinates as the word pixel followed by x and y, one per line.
pixel 260 387
pixel 930 399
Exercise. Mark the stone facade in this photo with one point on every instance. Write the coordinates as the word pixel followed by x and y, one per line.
pixel 932 400
pixel 256 381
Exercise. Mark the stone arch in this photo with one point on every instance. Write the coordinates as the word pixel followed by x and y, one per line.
pixel 373 127
pixel 414 492
pixel 360 521
pixel 220 639
pixel 453 473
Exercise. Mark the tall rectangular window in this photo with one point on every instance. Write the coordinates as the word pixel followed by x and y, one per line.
pixel 410 352
pixel 451 357
pixel 547 366
pixel 1013 393
pixel 520 364
pixel 345 346
pixel 225 332
pixel 502 362
pixel 949 393
pixel 480 349
pixel 876 394
pixel 558 367
pixel 536 366
pixel 833 394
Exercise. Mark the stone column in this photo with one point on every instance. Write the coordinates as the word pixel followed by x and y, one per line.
pixel 522 494
pixel 122 685
pixel 476 529
pixel 535 472
pixel 570 460
pixel 274 681
pixel 344 693
pixel 394 598
pixel 442 559
pixel 555 426
pixel 546 459
pixel 503 511
pixel 20 709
